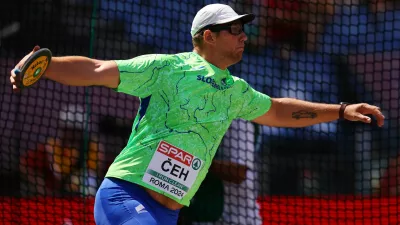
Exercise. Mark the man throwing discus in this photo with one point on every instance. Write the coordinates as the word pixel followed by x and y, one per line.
pixel 188 101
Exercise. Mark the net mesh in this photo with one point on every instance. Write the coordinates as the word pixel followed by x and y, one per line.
pixel 57 141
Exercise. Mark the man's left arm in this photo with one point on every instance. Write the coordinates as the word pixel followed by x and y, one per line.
pixel 289 112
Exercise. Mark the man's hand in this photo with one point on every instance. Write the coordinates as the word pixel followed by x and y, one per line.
pixel 358 112
pixel 15 80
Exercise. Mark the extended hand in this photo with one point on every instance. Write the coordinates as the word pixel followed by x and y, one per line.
pixel 15 81
pixel 358 112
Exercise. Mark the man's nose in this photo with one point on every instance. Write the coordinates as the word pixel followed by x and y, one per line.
pixel 243 36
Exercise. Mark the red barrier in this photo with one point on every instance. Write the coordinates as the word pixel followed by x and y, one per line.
pixel 287 210
pixel 46 211
pixel 276 210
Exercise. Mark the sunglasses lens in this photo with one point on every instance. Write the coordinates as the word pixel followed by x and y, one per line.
pixel 237 29
pixel 234 29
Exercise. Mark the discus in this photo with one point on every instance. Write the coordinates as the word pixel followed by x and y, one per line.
pixel 34 67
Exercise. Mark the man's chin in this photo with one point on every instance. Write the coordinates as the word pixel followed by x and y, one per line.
pixel 236 57
pixel 239 57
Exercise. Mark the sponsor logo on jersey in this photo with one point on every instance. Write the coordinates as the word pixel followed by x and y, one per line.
pixel 175 153
pixel 211 81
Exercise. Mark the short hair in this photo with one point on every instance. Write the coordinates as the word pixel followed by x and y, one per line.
pixel 197 40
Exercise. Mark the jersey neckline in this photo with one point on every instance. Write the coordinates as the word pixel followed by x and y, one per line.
pixel 225 72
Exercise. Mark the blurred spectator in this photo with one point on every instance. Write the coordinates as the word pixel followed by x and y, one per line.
pixel 235 164
pixel 240 204
pixel 87 177
pixel 58 167
pixel 45 168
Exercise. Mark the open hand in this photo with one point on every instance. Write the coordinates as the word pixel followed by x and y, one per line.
pixel 359 112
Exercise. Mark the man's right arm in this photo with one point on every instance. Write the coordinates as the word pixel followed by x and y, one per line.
pixel 83 71
pixel 75 71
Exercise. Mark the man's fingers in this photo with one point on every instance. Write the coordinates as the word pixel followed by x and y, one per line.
pixel 36 48
pixel 15 88
pixel 14 76
pixel 12 79
pixel 380 118
pixel 376 112
pixel 15 81
pixel 362 118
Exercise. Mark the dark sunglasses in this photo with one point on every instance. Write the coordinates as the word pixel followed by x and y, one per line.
pixel 234 29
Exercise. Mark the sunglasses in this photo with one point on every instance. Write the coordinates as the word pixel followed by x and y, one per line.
pixel 234 29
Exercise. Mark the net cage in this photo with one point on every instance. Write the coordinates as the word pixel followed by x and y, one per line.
pixel 57 141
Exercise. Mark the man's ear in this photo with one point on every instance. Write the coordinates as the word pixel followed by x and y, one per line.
pixel 208 36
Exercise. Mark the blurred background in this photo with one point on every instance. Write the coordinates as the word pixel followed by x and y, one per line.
pixel 56 142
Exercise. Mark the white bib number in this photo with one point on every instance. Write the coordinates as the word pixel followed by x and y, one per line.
pixel 172 170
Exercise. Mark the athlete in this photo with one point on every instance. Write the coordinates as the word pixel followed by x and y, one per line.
pixel 188 101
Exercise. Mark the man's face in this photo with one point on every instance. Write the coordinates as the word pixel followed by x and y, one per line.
pixel 231 41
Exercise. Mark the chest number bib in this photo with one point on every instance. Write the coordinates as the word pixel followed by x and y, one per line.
pixel 172 170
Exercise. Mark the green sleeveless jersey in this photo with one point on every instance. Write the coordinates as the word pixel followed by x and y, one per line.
pixel 186 106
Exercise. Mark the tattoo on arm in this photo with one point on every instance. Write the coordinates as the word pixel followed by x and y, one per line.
pixel 304 114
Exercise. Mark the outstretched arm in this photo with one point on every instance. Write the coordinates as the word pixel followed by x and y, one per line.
pixel 289 112
pixel 83 71
pixel 76 71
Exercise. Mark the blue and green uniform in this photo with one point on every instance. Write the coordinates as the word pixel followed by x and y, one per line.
pixel 186 106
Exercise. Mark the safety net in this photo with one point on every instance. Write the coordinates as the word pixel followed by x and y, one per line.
pixel 57 141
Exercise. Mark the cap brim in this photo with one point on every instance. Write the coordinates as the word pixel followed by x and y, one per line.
pixel 246 18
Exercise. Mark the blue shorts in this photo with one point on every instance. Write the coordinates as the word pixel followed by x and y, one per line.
pixel 121 202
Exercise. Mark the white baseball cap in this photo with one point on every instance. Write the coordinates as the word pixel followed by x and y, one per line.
pixel 217 14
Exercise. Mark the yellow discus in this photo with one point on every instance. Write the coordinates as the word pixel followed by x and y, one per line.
pixel 34 67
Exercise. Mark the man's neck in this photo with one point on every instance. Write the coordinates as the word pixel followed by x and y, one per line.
pixel 214 59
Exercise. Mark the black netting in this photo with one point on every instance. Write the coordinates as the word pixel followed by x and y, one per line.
pixel 57 141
